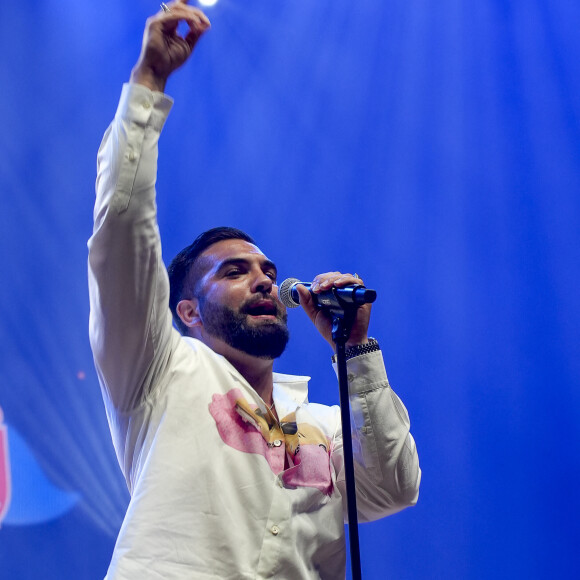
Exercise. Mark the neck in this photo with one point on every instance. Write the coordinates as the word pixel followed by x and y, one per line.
pixel 257 371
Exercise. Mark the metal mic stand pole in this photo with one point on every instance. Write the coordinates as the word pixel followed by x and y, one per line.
pixel 342 321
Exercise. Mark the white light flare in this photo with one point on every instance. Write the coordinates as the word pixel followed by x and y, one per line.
pixel 207 3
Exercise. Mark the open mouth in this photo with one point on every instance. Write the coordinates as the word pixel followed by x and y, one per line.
pixel 263 308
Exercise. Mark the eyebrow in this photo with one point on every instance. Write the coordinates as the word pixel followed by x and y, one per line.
pixel 265 265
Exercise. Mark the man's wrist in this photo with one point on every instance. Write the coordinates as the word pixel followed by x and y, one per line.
pixel 371 345
pixel 148 78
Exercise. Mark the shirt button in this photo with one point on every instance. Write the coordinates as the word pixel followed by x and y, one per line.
pixel 275 530
pixel 132 156
pixel 350 377
pixel 146 105
pixel 277 443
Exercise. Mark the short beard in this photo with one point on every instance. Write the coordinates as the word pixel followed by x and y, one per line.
pixel 266 340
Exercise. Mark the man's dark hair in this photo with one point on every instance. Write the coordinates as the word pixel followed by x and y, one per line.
pixel 180 280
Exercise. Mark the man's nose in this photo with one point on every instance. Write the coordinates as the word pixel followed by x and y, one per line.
pixel 262 283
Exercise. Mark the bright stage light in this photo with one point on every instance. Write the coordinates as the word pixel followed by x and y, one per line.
pixel 208 2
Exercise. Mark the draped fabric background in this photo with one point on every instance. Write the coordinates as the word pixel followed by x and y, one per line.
pixel 432 147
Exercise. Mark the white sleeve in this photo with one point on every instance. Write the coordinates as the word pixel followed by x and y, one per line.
pixel 387 468
pixel 130 322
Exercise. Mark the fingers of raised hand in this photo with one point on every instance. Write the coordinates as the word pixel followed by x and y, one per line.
pixel 172 12
pixel 325 281
pixel 166 22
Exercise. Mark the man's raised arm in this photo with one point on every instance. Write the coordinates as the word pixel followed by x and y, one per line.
pixel 130 322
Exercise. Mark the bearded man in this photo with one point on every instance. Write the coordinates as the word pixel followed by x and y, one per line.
pixel 233 474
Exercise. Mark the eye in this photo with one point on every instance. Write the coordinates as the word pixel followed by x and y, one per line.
pixel 233 273
pixel 271 275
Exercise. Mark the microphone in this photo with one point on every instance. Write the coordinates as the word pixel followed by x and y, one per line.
pixel 355 295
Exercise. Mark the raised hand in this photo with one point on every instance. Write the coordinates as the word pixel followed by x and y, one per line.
pixel 164 49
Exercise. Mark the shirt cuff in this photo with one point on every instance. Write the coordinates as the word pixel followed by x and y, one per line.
pixel 365 373
pixel 141 105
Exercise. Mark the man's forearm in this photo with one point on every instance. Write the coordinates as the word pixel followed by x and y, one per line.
pixel 127 279
pixel 387 464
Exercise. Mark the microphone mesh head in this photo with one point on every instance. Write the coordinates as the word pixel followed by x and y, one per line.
pixel 285 294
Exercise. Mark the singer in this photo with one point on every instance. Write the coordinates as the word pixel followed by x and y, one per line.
pixel 233 473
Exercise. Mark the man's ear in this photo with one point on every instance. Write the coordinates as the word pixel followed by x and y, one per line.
pixel 188 312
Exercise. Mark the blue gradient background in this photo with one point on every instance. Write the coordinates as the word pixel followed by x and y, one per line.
pixel 433 147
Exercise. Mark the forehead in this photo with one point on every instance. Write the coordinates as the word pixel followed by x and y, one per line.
pixel 231 249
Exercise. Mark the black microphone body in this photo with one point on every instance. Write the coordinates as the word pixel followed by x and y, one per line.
pixel 333 298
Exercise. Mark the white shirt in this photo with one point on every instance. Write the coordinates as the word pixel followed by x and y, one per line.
pixel 203 460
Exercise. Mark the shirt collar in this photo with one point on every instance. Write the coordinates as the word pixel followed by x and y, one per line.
pixel 294 387
pixel 287 388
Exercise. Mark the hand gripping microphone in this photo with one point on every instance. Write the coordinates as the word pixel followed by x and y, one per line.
pixel 355 295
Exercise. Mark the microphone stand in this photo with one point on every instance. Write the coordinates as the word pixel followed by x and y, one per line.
pixel 342 321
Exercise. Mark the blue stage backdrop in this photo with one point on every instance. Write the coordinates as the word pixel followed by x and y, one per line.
pixel 432 147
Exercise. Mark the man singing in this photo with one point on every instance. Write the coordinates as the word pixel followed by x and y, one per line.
pixel 233 474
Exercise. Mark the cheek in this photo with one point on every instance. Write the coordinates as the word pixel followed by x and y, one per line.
pixel 231 295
